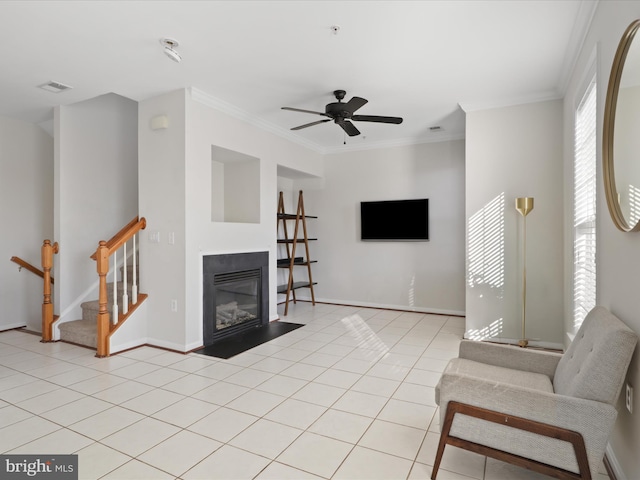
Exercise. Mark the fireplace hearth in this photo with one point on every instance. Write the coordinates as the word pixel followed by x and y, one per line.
pixel 235 294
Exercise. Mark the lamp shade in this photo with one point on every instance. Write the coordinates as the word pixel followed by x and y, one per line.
pixel 524 205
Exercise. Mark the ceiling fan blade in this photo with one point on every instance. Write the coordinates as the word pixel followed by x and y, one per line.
pixel 355 103
pixel 376 118
pixel 349 127
pixel 305 111
pixel 311 124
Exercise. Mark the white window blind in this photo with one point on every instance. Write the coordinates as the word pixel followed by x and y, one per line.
pixel 584 207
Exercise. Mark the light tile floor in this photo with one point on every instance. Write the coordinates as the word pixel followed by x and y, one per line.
pixel 348 396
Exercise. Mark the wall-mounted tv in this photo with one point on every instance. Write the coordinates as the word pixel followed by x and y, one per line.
pixel 395 220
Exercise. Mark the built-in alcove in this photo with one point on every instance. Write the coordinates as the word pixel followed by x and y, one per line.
pixel 235 186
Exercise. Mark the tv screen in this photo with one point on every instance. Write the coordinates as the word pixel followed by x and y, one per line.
pixel 395 220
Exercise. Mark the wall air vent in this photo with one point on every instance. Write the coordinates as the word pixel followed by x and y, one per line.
pixel 55 87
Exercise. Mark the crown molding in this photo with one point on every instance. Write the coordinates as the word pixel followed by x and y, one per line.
pixel 512 102
pixel 226 107
pixel 576 41
pixel 401 142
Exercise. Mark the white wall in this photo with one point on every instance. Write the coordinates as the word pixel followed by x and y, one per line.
pixel 421 276
pixel 161 170
pixel 96 188
pixel 242 191
pixel 618 261
pixel 514 152
pixel 26 213
pixel 176 193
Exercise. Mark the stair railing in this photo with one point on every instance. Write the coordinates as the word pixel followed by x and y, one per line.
pixel 47 251
pixel 101 256
pixel 27 266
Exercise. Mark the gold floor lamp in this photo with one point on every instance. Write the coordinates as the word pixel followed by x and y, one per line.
pixel 524 205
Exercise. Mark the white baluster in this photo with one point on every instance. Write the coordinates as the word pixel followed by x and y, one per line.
pixel 134 283
pixel 114 313
pixel 125 295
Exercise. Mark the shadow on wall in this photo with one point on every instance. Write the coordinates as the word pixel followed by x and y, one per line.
pixel 485 269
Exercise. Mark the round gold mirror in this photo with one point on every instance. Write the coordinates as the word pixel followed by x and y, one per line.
pixel 621 134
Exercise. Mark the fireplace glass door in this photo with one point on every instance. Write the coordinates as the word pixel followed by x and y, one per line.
pixel 237 299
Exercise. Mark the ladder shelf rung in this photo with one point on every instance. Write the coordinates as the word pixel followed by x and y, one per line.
pixel 291 240
pixel 295 286
pixel 292 216
pixel 286 262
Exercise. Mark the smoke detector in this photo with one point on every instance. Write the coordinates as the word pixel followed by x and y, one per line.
pixel 169 44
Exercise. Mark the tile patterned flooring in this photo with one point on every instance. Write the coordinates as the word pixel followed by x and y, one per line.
pixel 348 396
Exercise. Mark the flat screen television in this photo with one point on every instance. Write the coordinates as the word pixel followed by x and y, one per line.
pixel 395 220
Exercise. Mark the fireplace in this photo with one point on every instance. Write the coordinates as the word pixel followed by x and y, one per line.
pixel 235 294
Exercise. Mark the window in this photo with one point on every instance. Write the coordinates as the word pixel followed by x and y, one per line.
pixel 584 206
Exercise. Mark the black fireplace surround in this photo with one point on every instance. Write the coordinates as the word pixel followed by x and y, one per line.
pixel 235 294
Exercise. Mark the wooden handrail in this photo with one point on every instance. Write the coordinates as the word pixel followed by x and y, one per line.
pixel 101 256
pixel 128 231
pixel 27 266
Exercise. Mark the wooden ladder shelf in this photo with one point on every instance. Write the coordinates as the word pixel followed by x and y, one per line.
pixel 291 243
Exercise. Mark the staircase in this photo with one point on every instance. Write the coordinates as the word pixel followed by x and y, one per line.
pixel 84 331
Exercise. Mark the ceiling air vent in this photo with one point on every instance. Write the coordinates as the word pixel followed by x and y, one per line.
pixel 437 128
pixel 55 87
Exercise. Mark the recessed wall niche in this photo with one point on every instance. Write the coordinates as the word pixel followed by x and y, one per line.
pixel 235 186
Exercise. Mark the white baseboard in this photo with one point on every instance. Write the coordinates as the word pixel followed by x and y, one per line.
pixel 11 326
pixel 403 308
pixel 129 345
pixel 192 346
pixel 176 347
pixel 532 343
pixel 614 464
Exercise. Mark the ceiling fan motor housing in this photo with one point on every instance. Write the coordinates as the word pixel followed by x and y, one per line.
pixel 337 110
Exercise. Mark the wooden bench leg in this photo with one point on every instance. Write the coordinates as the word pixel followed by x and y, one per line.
pixel 444 435
pixel 519 423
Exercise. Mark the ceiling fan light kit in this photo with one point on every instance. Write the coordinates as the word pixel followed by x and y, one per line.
pixel 341 113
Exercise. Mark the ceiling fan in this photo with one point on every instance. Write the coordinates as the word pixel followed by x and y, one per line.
pixel 341 113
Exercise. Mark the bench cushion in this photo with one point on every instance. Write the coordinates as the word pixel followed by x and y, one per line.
pixel 499 375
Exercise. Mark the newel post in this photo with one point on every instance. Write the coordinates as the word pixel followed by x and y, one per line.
pixel 102 265
pixel 47 252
